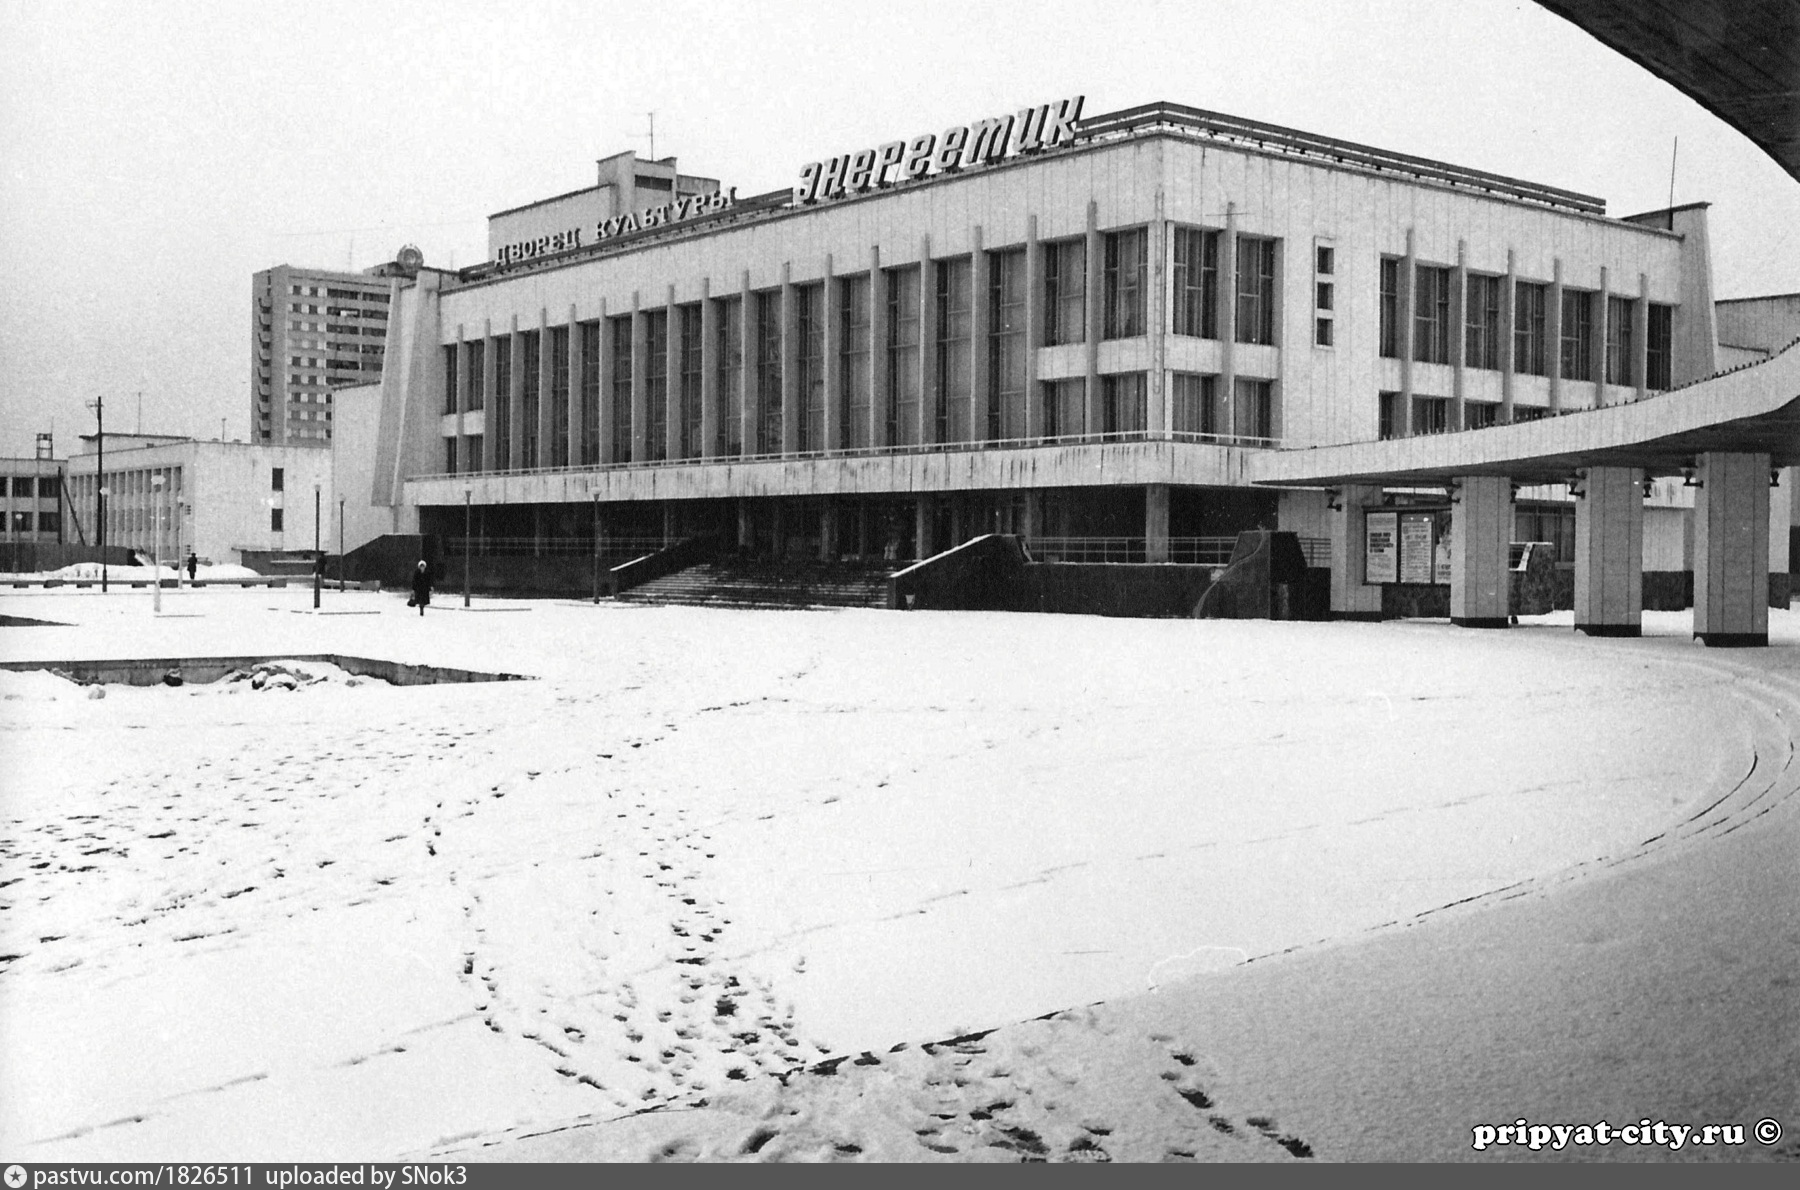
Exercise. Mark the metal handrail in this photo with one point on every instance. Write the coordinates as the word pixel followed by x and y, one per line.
pixel 527 547
pixel 1119 436
pixel 1192 551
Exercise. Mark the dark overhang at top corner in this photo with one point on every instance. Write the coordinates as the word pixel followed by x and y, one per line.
pixel 1739 59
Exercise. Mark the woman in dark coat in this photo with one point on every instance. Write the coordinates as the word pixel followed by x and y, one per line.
pixel 421 583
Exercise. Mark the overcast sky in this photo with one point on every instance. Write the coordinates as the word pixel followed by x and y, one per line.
pixel 154 156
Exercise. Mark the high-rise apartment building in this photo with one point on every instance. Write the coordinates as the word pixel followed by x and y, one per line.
pixel 313 330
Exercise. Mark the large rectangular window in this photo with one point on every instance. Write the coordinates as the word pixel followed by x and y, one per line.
pixel 1065 407
pixel 810 315
pixel 450 392
pixel 1122 402
pixel 620 329
pixel 1577 334
pixel 1253 409
pixel 955 368
pixel 1531 304
pixel 729 313
pixel 590 394
pixel 500 414
pixel 450 455
pixel 1006 344
pixel 1390 307
pixel 855 384
pixel 472 383
pixel 529 412
pixel 1481 323
pixel 656 384
pixel 1431 313
pixel 1620 362
pixel 1196 404
pixel 1388 413
pixel 1065 292
pixel 1430 415
pixel 688 355
pixel 559 397
pixel 768 372
pixel 1127 282
pixel 1196 309
pixel 903 356
pixel 1658 354
pixel 1255 290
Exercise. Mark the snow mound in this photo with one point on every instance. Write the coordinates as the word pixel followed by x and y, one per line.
pixel 36 685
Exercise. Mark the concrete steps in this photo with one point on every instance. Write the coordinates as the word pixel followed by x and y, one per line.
pixel 760 584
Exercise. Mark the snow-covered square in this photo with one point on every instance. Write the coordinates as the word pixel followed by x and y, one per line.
pixel 702 853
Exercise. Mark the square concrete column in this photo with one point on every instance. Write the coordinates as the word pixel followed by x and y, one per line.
pixel 922 544
pixel 606 419
pixel 1353 597
pixel 640 393
pixel 981 389
pixel 746 528
pixel 674 407
pixel 547 409
pixel 1481 524
pixel 710 421
pixel 515 397
pixel 1731 550
pixel 1609 553
pixel 749 361
pixel 926 429
pixel 490 461
pixel 1094 325
pixel 791 412
pixel 573 413
pixel 1156 522
pixel 831 359
pixel 828 532
pixel 1034 328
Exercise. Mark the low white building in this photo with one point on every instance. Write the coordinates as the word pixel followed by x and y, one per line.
pixel 223 500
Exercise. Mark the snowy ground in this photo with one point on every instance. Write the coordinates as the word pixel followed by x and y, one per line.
pixel 355 921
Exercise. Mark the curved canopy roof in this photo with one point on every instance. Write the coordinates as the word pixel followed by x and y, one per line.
pixel 1739 59
pixel 1753 410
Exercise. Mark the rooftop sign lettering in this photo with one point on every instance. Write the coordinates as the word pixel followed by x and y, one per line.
pixel 687 207
pixel 980 143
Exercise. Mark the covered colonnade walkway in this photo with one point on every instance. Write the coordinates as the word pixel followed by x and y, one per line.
pixel 1729 436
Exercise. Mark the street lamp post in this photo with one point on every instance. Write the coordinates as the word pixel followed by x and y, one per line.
pixel 596 547
pixel 156 490
pixel 340 545
pixel 318 558
pixel 468 505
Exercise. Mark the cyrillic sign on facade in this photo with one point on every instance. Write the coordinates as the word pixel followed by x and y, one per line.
pixel 688 207
pixel 980 143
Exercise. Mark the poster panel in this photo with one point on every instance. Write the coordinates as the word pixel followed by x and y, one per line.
pixel 1381 547
pixel 1415 547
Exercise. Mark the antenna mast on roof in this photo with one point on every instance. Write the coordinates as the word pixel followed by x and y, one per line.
pixel 1672 155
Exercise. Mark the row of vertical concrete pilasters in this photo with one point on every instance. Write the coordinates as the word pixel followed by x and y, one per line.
pixel 1609 552
pixel 1481 527
pixel 1731 549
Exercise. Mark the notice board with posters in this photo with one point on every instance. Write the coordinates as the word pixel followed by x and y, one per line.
pixel 1381 547
pixel 1415 547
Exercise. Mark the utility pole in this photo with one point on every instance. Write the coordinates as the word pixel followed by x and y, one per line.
pixel 318 556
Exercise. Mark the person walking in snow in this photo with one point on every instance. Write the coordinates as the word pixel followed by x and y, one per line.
pixel 193 566
pixel 421 585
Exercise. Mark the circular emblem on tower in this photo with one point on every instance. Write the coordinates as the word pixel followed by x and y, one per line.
pixel 410 259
